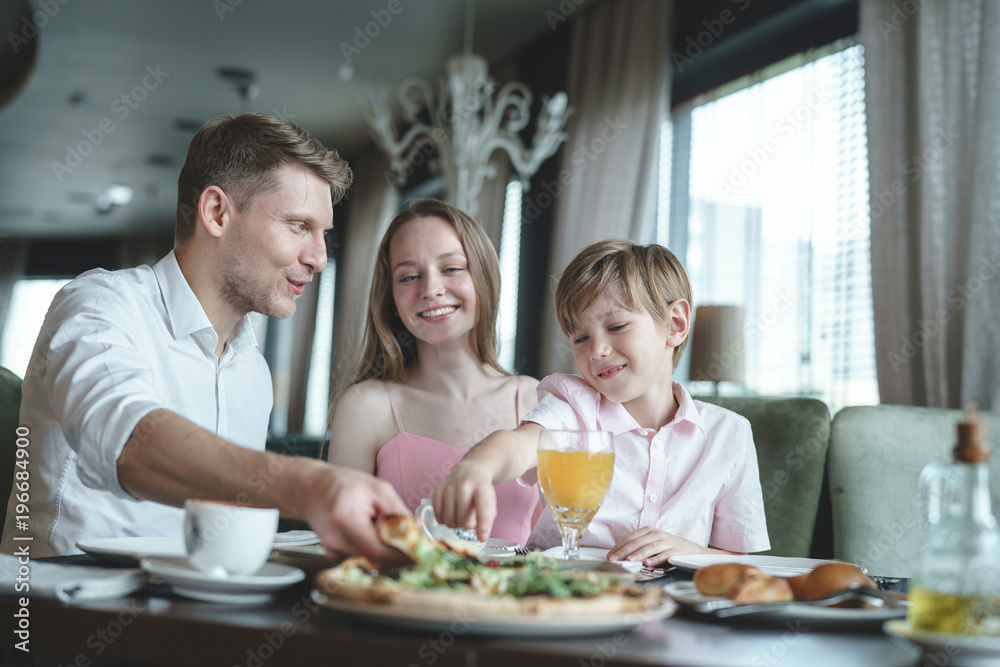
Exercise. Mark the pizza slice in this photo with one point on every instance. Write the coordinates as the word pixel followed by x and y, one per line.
pixel 448 576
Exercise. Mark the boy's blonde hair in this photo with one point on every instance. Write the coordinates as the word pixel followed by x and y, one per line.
pixel 647 278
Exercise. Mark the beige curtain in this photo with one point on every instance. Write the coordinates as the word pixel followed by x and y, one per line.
pixel 933 106
pixel 619 84
pixel 372 205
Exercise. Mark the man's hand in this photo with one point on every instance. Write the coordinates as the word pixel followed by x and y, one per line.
pixel 343 507
pixel 466 499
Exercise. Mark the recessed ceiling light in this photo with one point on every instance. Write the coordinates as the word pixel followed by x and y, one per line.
pixel 111 196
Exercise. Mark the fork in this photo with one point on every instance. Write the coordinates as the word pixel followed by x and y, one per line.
pixel 521 551
pixel 727 608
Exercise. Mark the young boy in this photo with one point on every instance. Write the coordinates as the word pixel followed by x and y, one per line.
pixel 685 477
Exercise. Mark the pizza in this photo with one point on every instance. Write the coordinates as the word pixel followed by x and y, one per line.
pixel 448 577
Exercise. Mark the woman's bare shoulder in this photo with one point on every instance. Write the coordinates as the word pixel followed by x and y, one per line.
pixel 364 394
pixel 366 406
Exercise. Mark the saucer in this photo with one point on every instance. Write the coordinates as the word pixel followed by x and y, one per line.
pixel 971 650
pixel 234 589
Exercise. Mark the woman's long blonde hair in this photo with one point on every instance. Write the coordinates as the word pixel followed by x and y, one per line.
pixel 388 348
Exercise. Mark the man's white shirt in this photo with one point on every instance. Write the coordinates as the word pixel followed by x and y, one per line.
pixel 116 345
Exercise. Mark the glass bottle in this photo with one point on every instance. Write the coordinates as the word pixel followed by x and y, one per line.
pixel 956 587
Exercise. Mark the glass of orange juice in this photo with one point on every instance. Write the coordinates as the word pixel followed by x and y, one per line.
pixel 574 470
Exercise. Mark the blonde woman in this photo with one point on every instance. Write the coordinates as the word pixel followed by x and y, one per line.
pixel 428 385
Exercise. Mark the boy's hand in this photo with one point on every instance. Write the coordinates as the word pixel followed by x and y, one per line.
pixel 652 547
pixel 466 499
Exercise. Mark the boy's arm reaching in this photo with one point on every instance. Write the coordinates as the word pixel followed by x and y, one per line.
pixel 466 497
pixel 652 547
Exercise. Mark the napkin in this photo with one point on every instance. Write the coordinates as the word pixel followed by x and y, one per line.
pixel 67 583
pixel 295 538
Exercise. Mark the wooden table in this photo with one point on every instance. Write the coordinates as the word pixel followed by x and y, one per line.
pixel 157 627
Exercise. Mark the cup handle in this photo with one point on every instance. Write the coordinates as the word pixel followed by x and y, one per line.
pixel 425 514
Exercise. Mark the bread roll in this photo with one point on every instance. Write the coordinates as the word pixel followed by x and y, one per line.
pixel 759 588
pixel 798 585
pixel 719 578
pixel 832 577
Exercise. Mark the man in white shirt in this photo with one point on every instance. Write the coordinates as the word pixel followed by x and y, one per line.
pixel 146 386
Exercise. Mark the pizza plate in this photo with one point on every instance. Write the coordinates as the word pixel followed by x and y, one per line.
pixel 474 621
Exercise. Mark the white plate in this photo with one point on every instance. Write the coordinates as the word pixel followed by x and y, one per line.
pixel 295 538
pixel 498 548
pixel 126 550
pixel 955 649
pixel 778 566
pixel 234 589
pixel 495 548
pixel 440 620
pixel 593 553
pixel 685 593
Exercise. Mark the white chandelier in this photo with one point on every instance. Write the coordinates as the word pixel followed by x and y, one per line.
pixel 466 125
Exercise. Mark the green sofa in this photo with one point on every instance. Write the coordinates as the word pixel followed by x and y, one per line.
pixel 791 436
pixel 876 455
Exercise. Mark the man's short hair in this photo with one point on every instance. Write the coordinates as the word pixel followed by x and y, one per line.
pixel 241 155
pixel 647 278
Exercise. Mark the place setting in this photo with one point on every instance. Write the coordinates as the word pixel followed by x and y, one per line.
pixel 501 590
pixel 222 556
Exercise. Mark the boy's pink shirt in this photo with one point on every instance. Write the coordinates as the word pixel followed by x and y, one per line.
pixel 696 477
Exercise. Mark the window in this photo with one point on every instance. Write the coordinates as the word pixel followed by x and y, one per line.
pixel 318 384
pixel 768 187
pixel 510 253
pixel 29 302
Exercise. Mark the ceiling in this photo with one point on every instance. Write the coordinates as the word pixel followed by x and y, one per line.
pixel 70 133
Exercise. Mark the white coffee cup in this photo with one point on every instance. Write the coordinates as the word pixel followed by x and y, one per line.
pixel 438 531
pixel 228 538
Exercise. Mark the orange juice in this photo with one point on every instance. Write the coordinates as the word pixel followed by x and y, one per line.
pixel 575 480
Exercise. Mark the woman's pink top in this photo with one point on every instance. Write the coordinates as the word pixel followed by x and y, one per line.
pixel 414 465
